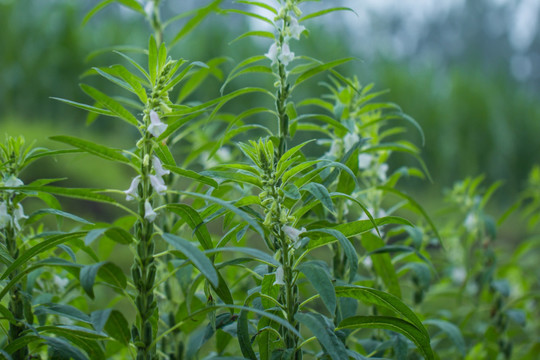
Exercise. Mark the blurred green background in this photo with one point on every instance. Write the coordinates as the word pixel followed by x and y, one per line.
pixel 466 70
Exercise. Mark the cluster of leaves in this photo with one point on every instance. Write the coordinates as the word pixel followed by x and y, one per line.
pixel 228 247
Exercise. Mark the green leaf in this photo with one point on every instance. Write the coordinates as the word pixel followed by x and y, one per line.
pixel 420 338
pixel 243 336
pixel 118 328
pixel 99 319
pixel 7 315
pixel 195 20
pixel 195 222
pixel 110 104
pixel 382 263
pixel 318 69
pixel 236 176
pixel 192 175
pixel 321 281
pixel 259 4
pixel 415 206
pixel 93 148
pixel 325 11
pixel 197 257
pixel 321 194
pixel 381 298
pixel 229 207
pixel 96 8
pixel 255 253
pixel 108 271
pixel 92 109
pixel 264 34
pixel 348 248
pixel 60 346
pixel 60 213
pixel 152 60
pixel 452 331
pixel 253 15
pixel 39 248
pixel 62 310
pixel 323 330
pixel 119 235
pixel 87 277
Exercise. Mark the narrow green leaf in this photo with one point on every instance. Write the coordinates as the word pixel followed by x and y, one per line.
pixel 253 15
pixel 325 11
pixel 243 336
pixel 152 60
pixel 348 248
pixel 381 298
pixel 229 207
pixel 93 148
pixel 318 69
pixel 452 331
pixel 321 194
pixel 110 104
pixel 92 109
pixel 118 328
pixel 96 8
pixel 62 310
pixel 60 213
pixel 235 176
pixel 259 4
pixel 195 222
pixel 264 34
pixel 199 260
pixel 255 253
pixel 135 64
pixel 195 20
pixel 60 347
pixel 394 324
pixel 192 175
pixel 382 263
pixel 323 330
pixel 321 281
pixel 415 205
pixel 87 277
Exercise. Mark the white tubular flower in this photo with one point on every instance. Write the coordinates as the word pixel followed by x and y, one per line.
pixel 158 184
pixel 272 53
pixel 158 167
pixel 156 127
pixel 292 233
pixel 12 181
pixel 381 172
pixel 296 29
pixel 350 140
pixel 364 160
pixel 131 193
pixel 18 214
pixel 149 213
pixel 5 218
pixel 60 282
pixel 279 276
pixel 286 56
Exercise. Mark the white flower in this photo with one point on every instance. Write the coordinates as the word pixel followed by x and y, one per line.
pixel 18 214
pixel 5 218
pixel 471 221
pixel 12 181
pixel 364 160
pixel 224 154
pixel 296 29
pixel 459 274
pixel 279 276
pixel 286 56
pixel 350 140
pixel 381 172
pixel 156 127
pixel 292 233
pixel 272 53
pixel 60 282
pixel 158 184
pixel 368 263
pixel 158 167
pixel 149 8
pixel 131 193
pixel 149 213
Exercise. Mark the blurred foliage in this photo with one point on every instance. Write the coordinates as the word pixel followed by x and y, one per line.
pixel 476 117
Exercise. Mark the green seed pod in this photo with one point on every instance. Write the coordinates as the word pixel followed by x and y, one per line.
pixel 148 334
pixel 134 334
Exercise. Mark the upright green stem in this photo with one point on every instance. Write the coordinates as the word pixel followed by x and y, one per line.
pixel 18 306
pixel 144 269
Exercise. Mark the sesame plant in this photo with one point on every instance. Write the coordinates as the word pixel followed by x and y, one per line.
pixel 269 229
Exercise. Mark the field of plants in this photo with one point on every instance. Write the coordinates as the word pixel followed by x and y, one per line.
pixel 252 207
